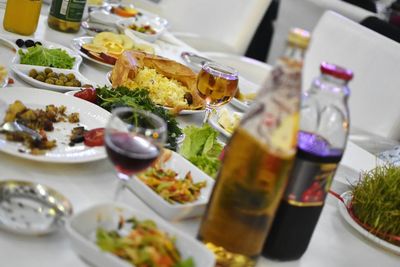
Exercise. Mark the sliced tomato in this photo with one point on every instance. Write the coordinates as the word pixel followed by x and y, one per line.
pixel 88 94
pixel 94 137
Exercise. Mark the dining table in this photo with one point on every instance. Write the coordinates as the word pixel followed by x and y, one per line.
pixel 334 242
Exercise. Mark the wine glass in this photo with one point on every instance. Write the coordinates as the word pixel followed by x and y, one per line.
pixel 133 139
pixel 216 84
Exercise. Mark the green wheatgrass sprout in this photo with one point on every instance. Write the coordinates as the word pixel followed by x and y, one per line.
pixel 376 201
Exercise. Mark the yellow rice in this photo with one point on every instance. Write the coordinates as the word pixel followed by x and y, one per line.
pixel 163 91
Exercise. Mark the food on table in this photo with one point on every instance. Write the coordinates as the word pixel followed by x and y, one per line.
pixel 95 2
pixel 125 11
pixel 375 204
pixel 40 120
pixel 245 97
pixel 147 29
pixel 228 120
pixel 109 98
pixel 41 56
pixel 168 82
pixel 57 78
pixel 94 137
pixel 143 246
pixel 202 148
pixel 108 46
pixel 167 184
pixel 27 43
pixel 77 135
pixel 88 94
pixel 3 73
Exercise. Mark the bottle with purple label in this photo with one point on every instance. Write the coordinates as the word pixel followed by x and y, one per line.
pixel 324 126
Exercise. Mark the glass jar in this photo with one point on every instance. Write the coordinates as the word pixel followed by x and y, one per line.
pixel 66 15
pixel 22 16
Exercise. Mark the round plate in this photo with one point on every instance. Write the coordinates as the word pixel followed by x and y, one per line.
pixel 214 117
pixel 91 116
pixel 347 197
pixel 77 44
pixel 182 112
pixel 32 209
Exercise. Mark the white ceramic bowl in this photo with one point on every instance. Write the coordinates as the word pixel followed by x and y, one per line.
pixel 158 24
pixel 175 211
pixel 23 72
pixel 82 231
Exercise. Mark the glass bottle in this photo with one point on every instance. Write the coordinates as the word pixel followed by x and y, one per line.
pixel 324 127
pixel 22 16
pixel 256 164
pixel 66 15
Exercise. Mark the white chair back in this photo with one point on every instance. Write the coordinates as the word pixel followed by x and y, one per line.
pixel 229 24
pixel 375 60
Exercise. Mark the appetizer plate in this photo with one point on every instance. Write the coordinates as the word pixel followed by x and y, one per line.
pixel 157 24
pixel 49 45
pixel 77 44
pixel 23 72
pixel 175 211
pixel 347 197
pixel 246 87
pixel 31 209
pixel 215 116
pixel 91 116
pixel 182 112
pixel 82 228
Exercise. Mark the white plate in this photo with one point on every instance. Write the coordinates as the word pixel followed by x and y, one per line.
pixel 91 116
pixel 175 211
pixel 246 87
pixel 347 196
pixel 23 72
pixel 82 228
pixel 182 112
pixel 8 54
pixel 158 24
pixel 214 117
pixel 49 45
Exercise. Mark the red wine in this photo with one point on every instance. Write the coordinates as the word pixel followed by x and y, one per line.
pixel 130 153
pixel 301 206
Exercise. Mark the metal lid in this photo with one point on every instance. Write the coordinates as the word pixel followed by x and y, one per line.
pixel 299 37
pixel 336 71
pixel 32 209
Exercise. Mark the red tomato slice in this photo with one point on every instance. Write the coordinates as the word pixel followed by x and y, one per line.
pixel 94 137
pixel 88 94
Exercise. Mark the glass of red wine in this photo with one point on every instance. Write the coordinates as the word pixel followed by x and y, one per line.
pixel 133 139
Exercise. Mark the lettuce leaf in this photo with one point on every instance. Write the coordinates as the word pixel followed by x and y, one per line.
pixel 40 56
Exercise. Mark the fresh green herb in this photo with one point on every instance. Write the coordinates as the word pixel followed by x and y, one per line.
pixel 202 148
pixel 121 96
pixel 40 56
pixel 376 200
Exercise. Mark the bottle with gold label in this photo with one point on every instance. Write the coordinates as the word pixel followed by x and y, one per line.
pixel 22 16
pixel 321 142
pixel 66 15
pixel 256 164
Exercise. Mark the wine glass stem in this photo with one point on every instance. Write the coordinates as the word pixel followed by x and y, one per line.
pixel 122 181
pixel 208 111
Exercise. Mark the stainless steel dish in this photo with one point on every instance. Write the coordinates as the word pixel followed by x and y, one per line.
pixel 31 209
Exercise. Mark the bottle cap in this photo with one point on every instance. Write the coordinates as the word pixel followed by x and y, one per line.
pixel 299 37
pixel 336 71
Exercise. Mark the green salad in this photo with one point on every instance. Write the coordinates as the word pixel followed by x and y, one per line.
pixel 144 246
pixel 202 148
pixel 39 56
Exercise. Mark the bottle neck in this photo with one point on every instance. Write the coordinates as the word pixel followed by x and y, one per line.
pixel 294 53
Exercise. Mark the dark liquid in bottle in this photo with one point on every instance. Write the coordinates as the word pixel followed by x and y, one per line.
pixel 130 154
pixel 295 221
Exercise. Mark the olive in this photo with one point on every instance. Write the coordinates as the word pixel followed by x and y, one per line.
pixel 76 83
pixel 52 75
pixel 33 73
pixel 49 81
pixel 29 43
pixel 40 77
pixel 38 43
pixel 20 42
pixel 69 84
pixel 42 73
pixel 63 78
pixel 59 82
pixel 70 76
pixel 48 70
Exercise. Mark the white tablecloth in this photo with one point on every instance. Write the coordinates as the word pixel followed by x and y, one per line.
pixel 334 243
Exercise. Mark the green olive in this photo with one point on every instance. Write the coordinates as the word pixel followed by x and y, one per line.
pixel 42 73
pixel 52 75
pixel 49 81
pixel 63 78
pixel 69 84
pixel 33 73
pixel 48 70
pixel 40 77
pixel 59 82
pixel 70 76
